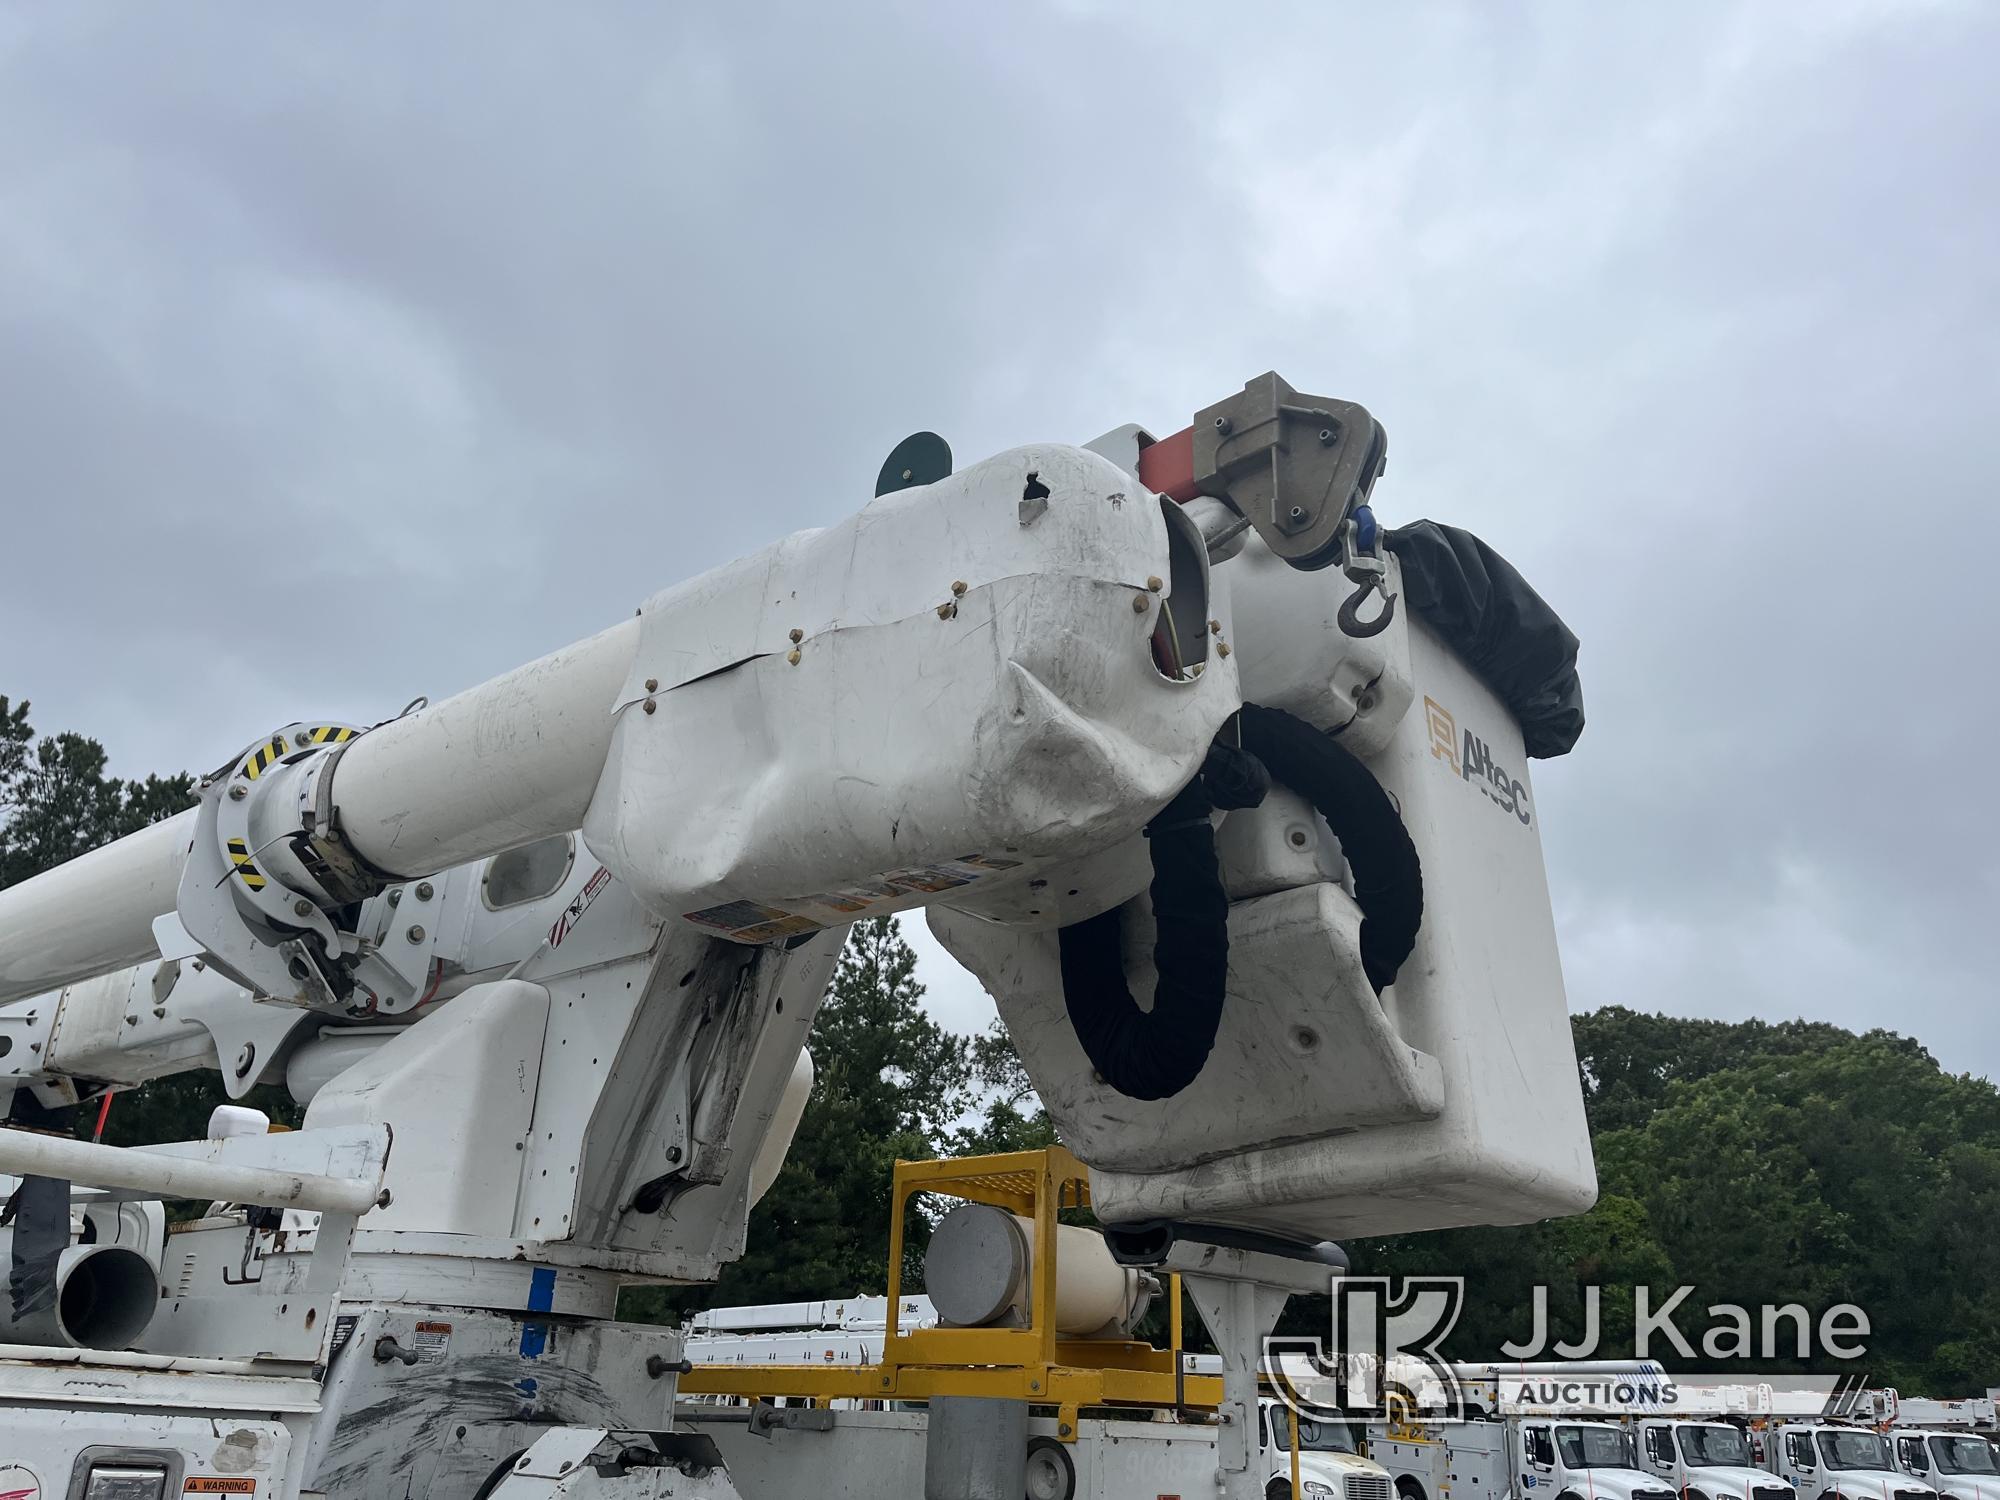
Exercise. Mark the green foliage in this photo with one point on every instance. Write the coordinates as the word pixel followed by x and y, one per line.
pixel 1758 1163
pixel 56 802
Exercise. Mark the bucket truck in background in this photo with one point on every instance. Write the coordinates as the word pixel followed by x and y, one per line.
pixel 1172 717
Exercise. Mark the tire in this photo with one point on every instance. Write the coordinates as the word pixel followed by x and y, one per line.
pixel 1408 1489
pixel 1279 1489
pixel 1051 1471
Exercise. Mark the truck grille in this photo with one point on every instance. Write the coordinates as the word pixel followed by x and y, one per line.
pixel 1652 1495
pixel 1374 1487
pixel 1915 1495
pixel 1771 1492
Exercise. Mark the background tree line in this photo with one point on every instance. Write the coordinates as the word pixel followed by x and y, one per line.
pixel 1757 1162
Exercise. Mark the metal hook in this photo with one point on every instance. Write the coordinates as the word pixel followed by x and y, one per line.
pixel 1350 612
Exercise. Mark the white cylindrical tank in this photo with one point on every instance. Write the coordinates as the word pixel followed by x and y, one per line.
pixel 979 1270
pixel 784 1126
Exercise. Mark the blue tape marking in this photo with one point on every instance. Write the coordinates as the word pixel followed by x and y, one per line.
pixel 541 1298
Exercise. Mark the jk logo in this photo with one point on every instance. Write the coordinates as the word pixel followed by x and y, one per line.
pixel 1384 1358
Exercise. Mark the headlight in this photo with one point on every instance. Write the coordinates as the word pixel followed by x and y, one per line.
pixel 1314 1487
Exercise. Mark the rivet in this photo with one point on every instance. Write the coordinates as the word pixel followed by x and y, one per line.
pixel 1215 627
pixel 792 656
pixel 1222 649
pixel 652 684
pixel 1139 604
pixel 415 934
pixel 947 609
pixel 1154 584
pixel 651 706
pixel 959 586
pixel 797 636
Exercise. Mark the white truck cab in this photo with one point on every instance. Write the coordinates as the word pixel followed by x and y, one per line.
pixel 1580 1461
pixel 1959 1465
pixel 1707 1461
pixel 1825 1462
pixel 1330 1461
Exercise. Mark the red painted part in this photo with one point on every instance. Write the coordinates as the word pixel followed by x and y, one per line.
pixel 103 1114
pixel 1167 467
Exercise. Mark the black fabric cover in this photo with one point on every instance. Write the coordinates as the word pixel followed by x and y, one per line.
pixel 39 1214
pixel 1505 631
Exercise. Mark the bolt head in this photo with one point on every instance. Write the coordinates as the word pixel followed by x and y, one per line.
pixel 1215 627
pixel 415 934
pixel 797 636
pixel 1222 424
pixel 1298 513
pixel 651 705
pixel 792 656
pixel 302 907
pixel 1154 585
pixel 652 684
pixel 1139 604
pixel 1222 649
pixel 959 586
pixel 425 890
pixel 238 792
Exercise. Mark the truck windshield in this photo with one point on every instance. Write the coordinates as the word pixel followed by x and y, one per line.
pixel 1711 1447
pixel 1854 1450
pixel 1319 1436
pixel 1964 1455
pixel 1593 1448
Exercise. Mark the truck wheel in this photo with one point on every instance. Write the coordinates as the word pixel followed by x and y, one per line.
pixel 1408 1489
pixel 1279 1489
pixel 1051 1471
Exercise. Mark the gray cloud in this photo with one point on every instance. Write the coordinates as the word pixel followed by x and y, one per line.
pixel 353 356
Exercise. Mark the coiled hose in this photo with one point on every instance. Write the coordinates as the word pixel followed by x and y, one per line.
pixel 1154 1054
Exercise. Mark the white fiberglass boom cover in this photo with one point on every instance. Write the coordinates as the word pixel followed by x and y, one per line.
pixel 954 687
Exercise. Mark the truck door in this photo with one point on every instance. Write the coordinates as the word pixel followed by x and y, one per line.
pixel 1656 1448
pixel 1911 1457
pixel 1538 1459
pixel 1797 1463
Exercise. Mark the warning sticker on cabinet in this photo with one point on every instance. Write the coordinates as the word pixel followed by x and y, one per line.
pixel 220 1484
pixel 430 1341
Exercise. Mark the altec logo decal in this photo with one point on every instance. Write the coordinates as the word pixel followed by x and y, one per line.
pixel 1470 760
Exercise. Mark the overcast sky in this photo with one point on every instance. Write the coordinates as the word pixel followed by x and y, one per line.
pixel 351 353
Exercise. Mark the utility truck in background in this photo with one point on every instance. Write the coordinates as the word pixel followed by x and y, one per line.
pixel 1514 1458
pixel 1171 717
pixel 1947 1445
pixel 1833 1461
pixel 1710 1460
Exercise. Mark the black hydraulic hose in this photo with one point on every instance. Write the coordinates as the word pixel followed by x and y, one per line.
pixel 1388 877
pixel 1155 1054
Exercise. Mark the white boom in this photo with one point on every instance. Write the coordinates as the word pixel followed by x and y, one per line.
pixel 1173 720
